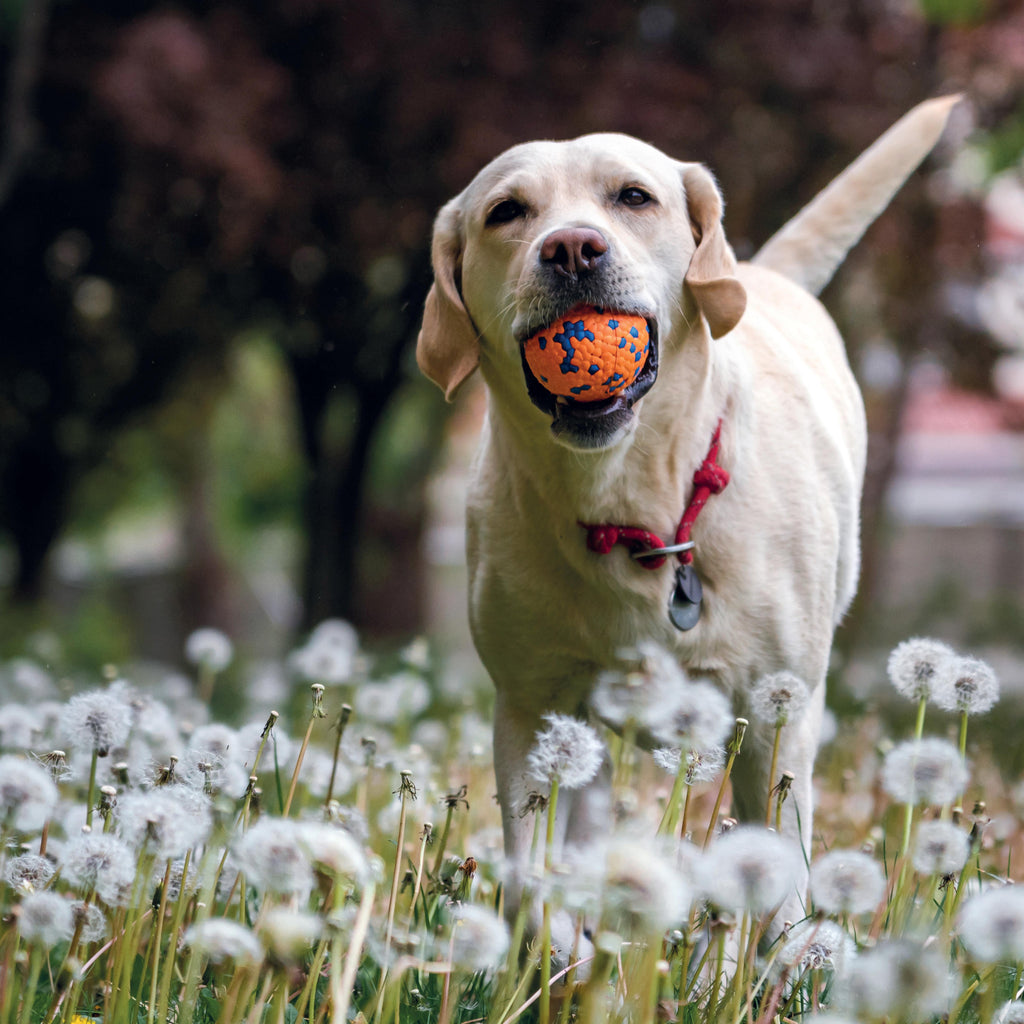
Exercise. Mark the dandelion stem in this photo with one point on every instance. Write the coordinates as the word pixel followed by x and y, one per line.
pixel 439 857
pixel 771 775
pixel 339 728
pixel 405 790
pixel 668 818
pixel 318 712
pixel 342 980
pixel 35 965
pixel 156 942
pixel 90 792
pixel 545 948
pixel 733 749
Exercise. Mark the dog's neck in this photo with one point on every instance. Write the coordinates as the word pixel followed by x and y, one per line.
pixel 633 480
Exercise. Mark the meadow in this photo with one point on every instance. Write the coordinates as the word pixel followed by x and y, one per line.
pixel 342 859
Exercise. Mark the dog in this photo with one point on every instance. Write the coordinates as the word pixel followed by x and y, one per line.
pixel 747 378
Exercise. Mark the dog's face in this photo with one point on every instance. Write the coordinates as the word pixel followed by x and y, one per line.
pixel 603 220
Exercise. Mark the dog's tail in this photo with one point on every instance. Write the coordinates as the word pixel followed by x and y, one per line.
pixel 810 247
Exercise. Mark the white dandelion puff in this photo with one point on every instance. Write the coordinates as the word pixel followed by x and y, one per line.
pixel 750 868
pixel 991 925
pixel 929 771
pixel 165 822
pixel 916 665
pixel 695 716
pixel 701 765
pixel 274 858
pixel 288 935
pixel 940 848
pixel 28 795
pixel 779 698
pixel 480 938
pixel 817 945
pixel 46 918
pixel 210 648
pixel 643 889
pixel 20 727
pixel 567 750
pixel 1011 1012
pixel 29 872
pixel 846 882
pixel 102 863
pixel 221 940
pixel 897 980
pixel 335 849
pixel 94 922
pixel 215 738
pixel 627 692
pixel 95 721
pixel 968 685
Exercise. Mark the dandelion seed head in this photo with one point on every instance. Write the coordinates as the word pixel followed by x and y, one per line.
pixel 28 872
pixel 28 795
pixel 45 917
pixel 209 648
pixel 335 849
pixel 779 698
pixel 940 848
pixel 480 938
pixel 627 692
pixel 668 759
pixel 20 727
pixel 28 681
pixel 221 940
pixel 991 925
pixel 750 868
pixel 403 696
pixel 351 819
pixel 929 771
pixel 916 665
pixel 897 980
pixel 214 738
pixel 967 684
pixel 100 862
pixel 704 765
pixel 165 822
pixel 212 774
pixel 95 720
pixel 1011 1012
pixel 846 882
pixel 94 922
pixel 273 857
pixel 695 716
pixel 288 935
pixel 644 892
pixel 817 945
pixel 568 750
pixel 329 655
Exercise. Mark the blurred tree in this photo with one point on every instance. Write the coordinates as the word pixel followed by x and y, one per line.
pixel 174 172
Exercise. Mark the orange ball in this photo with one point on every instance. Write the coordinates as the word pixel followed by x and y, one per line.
pixel 589 354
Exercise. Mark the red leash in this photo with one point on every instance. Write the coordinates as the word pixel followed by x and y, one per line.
pixel 648 548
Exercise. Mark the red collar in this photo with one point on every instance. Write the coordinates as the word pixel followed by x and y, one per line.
pixel 648 548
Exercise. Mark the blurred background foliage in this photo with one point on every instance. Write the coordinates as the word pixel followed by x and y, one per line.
pixel 214 247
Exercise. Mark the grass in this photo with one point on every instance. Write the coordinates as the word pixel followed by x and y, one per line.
pixel 355 873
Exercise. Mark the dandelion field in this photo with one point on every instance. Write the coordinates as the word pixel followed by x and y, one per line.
pixel 345 862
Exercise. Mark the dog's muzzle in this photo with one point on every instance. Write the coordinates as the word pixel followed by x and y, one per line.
pixel 592 424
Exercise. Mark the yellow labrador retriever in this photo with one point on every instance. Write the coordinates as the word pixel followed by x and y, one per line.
pixel 747 381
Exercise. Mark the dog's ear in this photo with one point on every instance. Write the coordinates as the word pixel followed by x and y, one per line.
pixel 448 348
pixel 712 271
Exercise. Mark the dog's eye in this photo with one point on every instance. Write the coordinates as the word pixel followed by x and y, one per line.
pixel 505 211
pixel 634 196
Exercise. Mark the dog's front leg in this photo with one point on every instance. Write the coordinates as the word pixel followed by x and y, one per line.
pixel 754 792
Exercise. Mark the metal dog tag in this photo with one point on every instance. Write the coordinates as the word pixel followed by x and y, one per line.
pixel 684 605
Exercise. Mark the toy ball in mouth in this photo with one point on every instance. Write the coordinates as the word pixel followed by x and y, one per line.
pixel 589 354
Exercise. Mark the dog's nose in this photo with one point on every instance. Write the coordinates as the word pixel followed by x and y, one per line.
pixel 573 251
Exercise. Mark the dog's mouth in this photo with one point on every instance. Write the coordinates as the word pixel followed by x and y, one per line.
pixel 592 424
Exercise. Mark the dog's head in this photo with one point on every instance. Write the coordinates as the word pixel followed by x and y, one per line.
pixel 603 220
